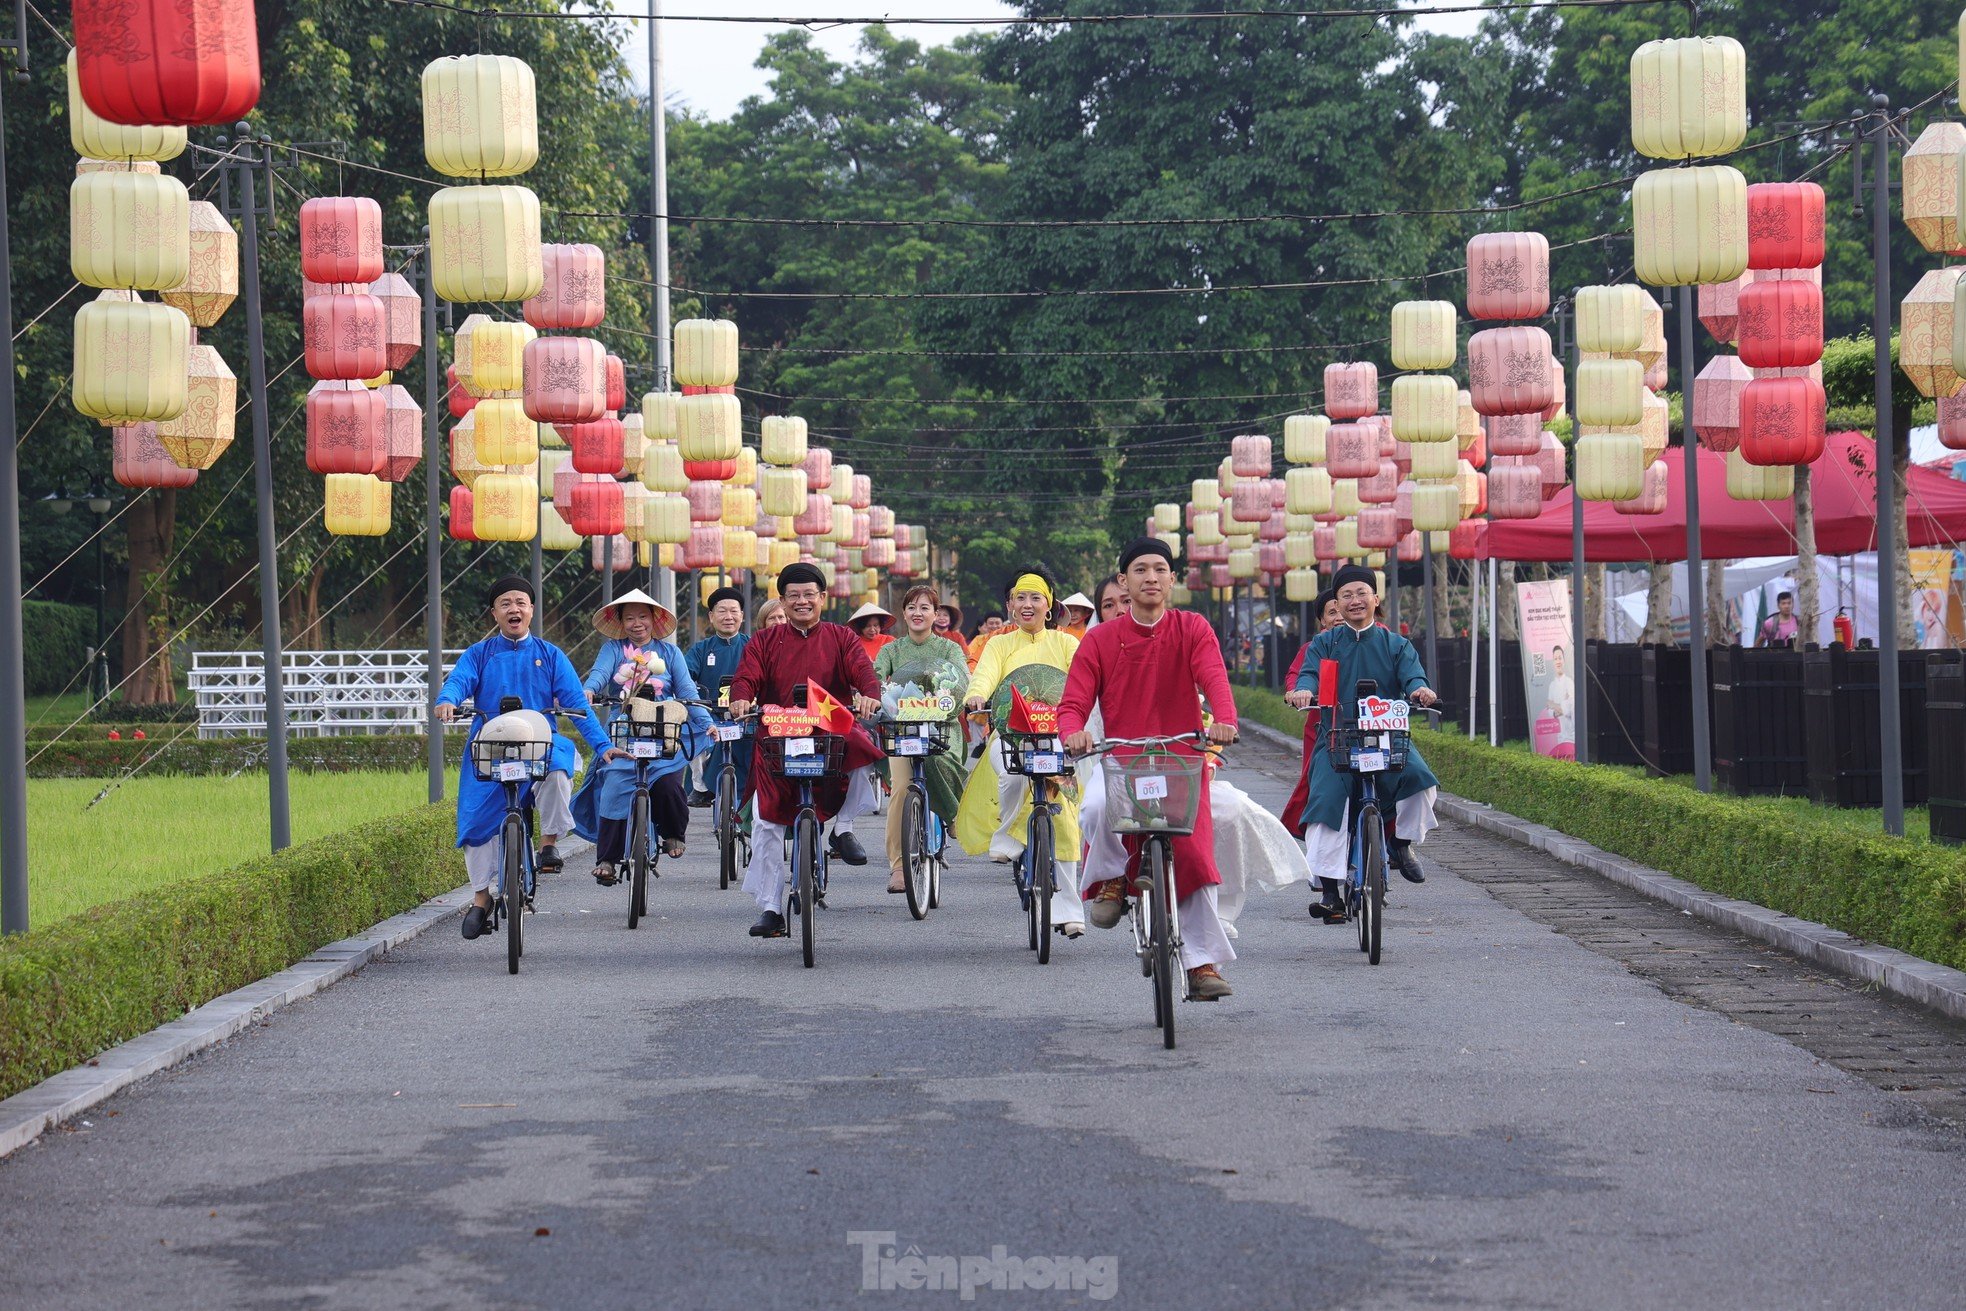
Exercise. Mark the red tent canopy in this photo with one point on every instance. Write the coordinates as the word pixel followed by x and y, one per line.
pixel 1845 485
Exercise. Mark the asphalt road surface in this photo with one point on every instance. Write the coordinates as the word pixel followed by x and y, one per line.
pixel 1510 1111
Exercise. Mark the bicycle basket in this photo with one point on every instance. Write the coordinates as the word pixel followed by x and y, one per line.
pixel 1154 792
pixel 823 755
pixel 512 747
pixel 910 739
pixel 1035 755
pixel 1353 751
pixel 649 730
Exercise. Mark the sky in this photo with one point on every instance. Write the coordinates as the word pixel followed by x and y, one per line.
pixel 707 67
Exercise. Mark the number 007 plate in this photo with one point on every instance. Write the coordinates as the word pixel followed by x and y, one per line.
pixel 513 771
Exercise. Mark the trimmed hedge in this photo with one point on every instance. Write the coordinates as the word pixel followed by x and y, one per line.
pixel 1905 894
pixel 93 756
pixel 86 983
pixel 55 643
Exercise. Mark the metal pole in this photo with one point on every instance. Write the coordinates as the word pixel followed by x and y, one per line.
pixel 665 579
pixel 250 158
pixel 98 672
pixel 433 533
pixel 1579 664
pixel 538 568
pixel 1427 582
pixel 1494 654
pixel 1890 730
pixel 1392 589
pixel 1696 627
pixel 1474 643
pixel 13 671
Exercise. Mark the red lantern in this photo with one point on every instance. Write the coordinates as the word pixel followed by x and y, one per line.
pixel 574 293
pixel 1781 325
pixel 705 547
pixel 341 239
pixel 1351 391
pixel 565 379
pixel 461 529
pixel 347 429
pixel 404 418
pixel 716 471
pixel 343 336
pixel 1783 421
pixel 1515 491
pixel 460 401
pixel 1509 371
pixel 1351 450
pixel 1785 225
pixel 1464 540
pixel 617 383
pixel 138 459
pixel 599 446
pixel 1952 421
pixel 596 508
pixel 1717 403
pixel 1378 528
pixel 1509 276
pixel 1515 434
pixel 184 62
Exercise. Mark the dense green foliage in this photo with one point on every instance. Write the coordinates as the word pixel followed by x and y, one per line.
pixel 89 753
pixel 1905 894
pixel 86 983
pixel 55 642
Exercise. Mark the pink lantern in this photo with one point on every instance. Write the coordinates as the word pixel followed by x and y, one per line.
pixel 1560 392
pixel 817 520
pixel 880 521
pixel 565 379
pixel 1403 504
pixel 1781 325
pixel 1219 576
pixel 1550 460
pixel 1785 225
pixel 1464 540
pixel 1383 426
pixel 1351 391
pixel 880 553
pixel 341 240
pixel 460 401
pixel 1269 558
pixel 1279 495
pixel 862 532
pixel 1515 491
pixel 1250 456
pixel 404 419
pixel 596 508
pixel 347 429
pixel 863 492
pixel 1720 309
pixel 1509 276
pixel 1196 579
pixel 1351 450
pixel 1783 421
pixel 574 294
pixel 1249 501
pixel 617 383
pixel 1509 371
pixel 1515 434
pixel 1411 547
pixel 706 502
pixel 842 588
pixel 599 445
pixel 1382 488
pixel 1403 458
pixel 1274 529
pixel 1952 421
pixel 1652 498
pixel 1378 527
pixel 1717 403
pixel 138 459
pixel 612 549
pixel 1324 541
pixel 460 526
pixel 402 319
pixel 343 336
pixel 819 469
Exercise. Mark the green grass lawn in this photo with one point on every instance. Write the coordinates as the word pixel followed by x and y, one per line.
pixel 153 831
pixel 57 711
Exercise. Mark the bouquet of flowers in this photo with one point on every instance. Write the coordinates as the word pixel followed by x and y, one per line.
pixel 639 669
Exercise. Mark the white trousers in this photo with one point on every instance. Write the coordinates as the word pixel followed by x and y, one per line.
pixel 1329 850
pixel 1008 841
pixel 767 876
pixel 553 797
pixel 1105 855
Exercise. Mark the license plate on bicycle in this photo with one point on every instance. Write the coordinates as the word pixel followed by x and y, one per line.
pixel 1369 762
pixel 805 766
pixel 513 771
pixel 910 746
pixel 642 748
pixel 1043 762
pixel 726 733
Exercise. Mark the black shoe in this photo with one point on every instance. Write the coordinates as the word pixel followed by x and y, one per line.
pixel 549 860
pixel 1406 862
pixel 474 921
pixel 701 800
pixel 847 847
pixel 770 925
pixel 1331 909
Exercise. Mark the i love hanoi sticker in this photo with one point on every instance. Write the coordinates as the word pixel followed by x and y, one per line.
pixel 1376 714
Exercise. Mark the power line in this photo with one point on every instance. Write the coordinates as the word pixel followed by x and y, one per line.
pixel 816 22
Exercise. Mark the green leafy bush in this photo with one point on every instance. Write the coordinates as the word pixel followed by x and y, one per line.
pixel 1902 893
pixel 55 643
pixel 86 983
pixel 88 753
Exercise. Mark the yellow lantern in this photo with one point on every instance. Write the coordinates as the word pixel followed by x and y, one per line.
pixel 1205 494
pixel 505 507
pixel 659 415
pixel 781 491
pixel 1436 506
pixel 841 486
pixel 1690 225
pixel 1344 496
pixel 132 361
pixel 1207 529
pixel 784 554
pixel 709 426
pixel 740 509
pixel 634 443
pixel 1467 421
pixel 1652 339
pixel 503 434
pixel 1689 97
pixel 1167 517
pixel 357 505
pixel 1933 182
pixel 1611 319
pixel 662 469
pixel 203 430
pixel 1423 335
pixel 1467 485
pixel 1307 490
pixel 1435 460
pixel 665 518
pixel 740 548
pixel 489 355
pixel 484 244
pixel 93 136
pixel 842 524
pixel 666 553
pixel 1301 524
pixel 1654 425
pixel 1299 551
pixel 747 468
pixel 1927 331
pixel 1345 532
pixel 1300 585
pixel 1610 466
pixel 706 353
pixel 211 282
pixel 782 439
pixel 634 512
pixel 480 117
pixel 554 535
pixel 1609 392
pixel 465 464
pixel 129 230
pixel 1242 564
pixel 1424 406
pixel 1758 482
pixel 1303 438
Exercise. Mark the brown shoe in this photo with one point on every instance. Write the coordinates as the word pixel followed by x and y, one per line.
pixel 1109 907
pixel 1205 983
pixel 897 881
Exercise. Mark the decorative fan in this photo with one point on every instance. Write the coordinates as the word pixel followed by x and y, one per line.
pixel 1035 682
pixel 923 691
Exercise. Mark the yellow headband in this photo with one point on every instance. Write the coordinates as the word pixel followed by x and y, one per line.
pixel 1033 583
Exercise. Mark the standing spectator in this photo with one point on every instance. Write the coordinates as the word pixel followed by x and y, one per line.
pixel 1780 628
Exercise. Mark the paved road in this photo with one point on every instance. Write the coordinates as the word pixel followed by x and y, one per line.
pixel 1499 1116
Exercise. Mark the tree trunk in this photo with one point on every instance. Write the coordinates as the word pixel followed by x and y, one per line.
pixel 1507 623
pixel 1593 603
pixel 1658 608
pixel 1808 587
pixel 150 525
pixel 1719 629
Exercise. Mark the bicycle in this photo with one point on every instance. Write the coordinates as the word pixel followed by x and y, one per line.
pixel 923 836
pixel 512 749
pixel 733 842
pixel 1039 757
pixel 805 760
pixel 1156 796
pixel 1374 741
pixel 648 737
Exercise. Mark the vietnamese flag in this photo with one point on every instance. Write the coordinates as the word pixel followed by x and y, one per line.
pixel 833 717
pixel 1031 717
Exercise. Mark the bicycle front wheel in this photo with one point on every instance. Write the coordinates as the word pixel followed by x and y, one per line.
pixel 638 859
pixel 726 827
pixel 915 860
pixel 805 851
pixel 1043 870
pixel 1166 961
pixel 1372 883
pixel 515 893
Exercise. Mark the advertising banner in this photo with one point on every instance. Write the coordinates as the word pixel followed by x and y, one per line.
pixel 1548 667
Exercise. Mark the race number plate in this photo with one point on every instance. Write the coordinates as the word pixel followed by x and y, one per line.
pixel 1041 762
pixel 1150 787
pixel 643 748
pixel 1369 762
pixel 910 746
pixel 727 733
pixel 798 746
pixel 513 771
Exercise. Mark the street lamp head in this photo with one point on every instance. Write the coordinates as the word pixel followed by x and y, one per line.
pixel 57 503
pixel 99 504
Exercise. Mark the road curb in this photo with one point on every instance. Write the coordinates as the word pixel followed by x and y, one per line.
pixel 27 1115
pixel 1939 987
